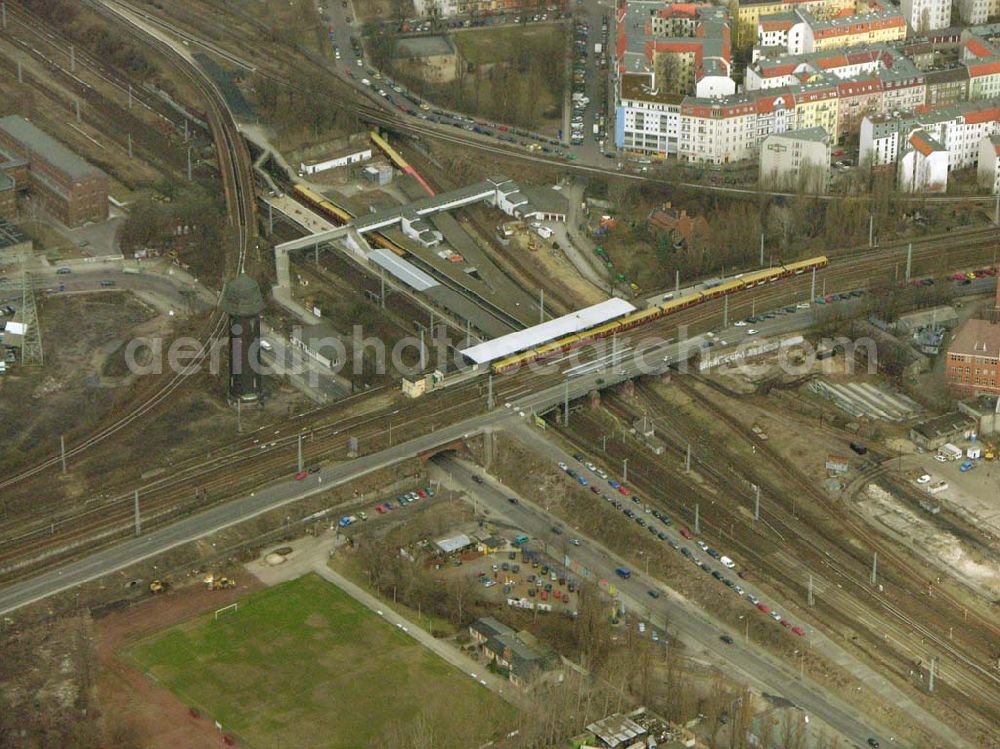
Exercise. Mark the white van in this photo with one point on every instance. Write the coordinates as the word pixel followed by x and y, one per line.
pixel 265 346
pixel 729 563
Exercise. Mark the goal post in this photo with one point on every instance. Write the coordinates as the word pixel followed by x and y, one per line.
pixel 231 607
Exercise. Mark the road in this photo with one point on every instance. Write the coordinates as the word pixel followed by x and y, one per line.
pixel 285 492
pixel 694 625
pixel 379 111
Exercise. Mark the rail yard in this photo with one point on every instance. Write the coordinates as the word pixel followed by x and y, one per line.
pixel 652 495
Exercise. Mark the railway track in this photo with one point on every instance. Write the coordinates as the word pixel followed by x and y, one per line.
pixel 391 117
pixel 844 272
pixel 511 386
pixel 235 168
pixel 834 568
pixel 195 485
pixel 840 612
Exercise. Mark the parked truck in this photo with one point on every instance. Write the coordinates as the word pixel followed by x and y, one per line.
pixel 598 48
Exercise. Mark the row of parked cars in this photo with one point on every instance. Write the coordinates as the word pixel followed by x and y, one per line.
pixel 580 99
pixel 637 515
pixel 388 506
pixel 964 279
pixel 424 26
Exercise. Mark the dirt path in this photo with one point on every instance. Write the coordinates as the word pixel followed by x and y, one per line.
pixel 163 720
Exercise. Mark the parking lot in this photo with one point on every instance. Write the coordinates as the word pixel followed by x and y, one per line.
pixel 588 117
pixel 525 576
pixel 973 492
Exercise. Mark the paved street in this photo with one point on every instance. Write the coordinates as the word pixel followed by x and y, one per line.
pixel 693 625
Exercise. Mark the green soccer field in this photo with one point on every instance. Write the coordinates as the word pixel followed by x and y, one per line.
pixel 303 664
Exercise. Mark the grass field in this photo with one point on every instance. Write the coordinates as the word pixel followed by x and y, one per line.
pixel 506 43
pixel 303 664
pixel 510 74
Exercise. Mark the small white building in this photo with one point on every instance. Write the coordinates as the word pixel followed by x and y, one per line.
pixel 926 15
pixel 342 159
pixel 923 165
pixel 796 159
pixel 988 170
pixel 418 229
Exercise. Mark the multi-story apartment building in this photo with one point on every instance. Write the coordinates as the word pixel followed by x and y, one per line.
pixel 923 164
pixel 681 48
pixel 859 97
pixel 904 88
pixel 976 12
pixel 947 86
pixel 749 13
pixel 783 69
pixel 984 78
pixel 72 190
pixel 926 15
pixel 647 121
pixel 796 159
pixel 988 169
pixel 664 53
pixel 959 129
pixel 869 80
pixel 811 32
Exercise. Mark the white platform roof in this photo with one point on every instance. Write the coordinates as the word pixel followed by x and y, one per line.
pixel 401 269
pixel 523 340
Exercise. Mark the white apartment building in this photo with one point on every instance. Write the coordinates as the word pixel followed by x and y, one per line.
pixel 923 165
pixel 801 31
pixel 648 125
pixel 690 39
pixel 797 159
pixel 959 130
pixel 787 70
pixel 731 129
pixel 988 169
pixel 976 12
pixel 926 15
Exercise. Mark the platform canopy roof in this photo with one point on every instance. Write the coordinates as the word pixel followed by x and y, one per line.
pixel 536 335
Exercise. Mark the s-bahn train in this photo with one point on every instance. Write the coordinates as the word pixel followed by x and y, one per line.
pixel 669 307
pixel 339 216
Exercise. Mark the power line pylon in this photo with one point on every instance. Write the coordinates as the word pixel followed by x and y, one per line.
pixel 31 344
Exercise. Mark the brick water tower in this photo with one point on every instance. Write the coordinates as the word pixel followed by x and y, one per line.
pixel 243 302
